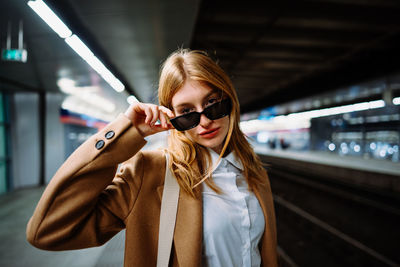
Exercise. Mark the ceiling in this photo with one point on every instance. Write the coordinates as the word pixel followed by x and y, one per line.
pixel 131 37
pixel 274 51
pixel 277 51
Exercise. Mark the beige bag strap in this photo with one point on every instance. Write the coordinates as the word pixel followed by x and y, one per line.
pixel 169 207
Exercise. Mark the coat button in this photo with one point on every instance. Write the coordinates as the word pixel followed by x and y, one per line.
pixel 110 134
pixel 99 144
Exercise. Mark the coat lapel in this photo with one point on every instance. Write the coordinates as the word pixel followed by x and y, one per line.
pixel 188 233
pixel 189 228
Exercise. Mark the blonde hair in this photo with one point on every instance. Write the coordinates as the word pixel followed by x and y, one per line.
pixel 191 162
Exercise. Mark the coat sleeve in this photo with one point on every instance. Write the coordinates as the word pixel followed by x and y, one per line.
pixel 87 200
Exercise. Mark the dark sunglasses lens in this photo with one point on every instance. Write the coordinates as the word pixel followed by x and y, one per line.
pixel 218 110
pixel 213 112
pixel 186 122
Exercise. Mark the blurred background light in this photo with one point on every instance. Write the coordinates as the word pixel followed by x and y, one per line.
pixel 301 120
pixel 332 147
pixel 86 54
pixel 131 99
pixel 79 47
pixel 75 43
pixel 50 18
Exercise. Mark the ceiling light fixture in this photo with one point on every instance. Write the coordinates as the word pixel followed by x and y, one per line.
pixel 302 119
pixel 50 18
pixel 75 43
pixel 396 100
pixel 79 47
pixel 132 99
pixel 337 110
pixel 82 50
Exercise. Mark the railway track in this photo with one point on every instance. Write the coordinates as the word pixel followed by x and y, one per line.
pixel 321 223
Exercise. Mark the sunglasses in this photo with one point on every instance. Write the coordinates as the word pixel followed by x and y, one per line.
pixel 192 119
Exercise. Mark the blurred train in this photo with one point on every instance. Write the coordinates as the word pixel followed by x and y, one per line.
pixel 369 132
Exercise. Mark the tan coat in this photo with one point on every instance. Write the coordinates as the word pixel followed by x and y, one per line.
pixel 87 202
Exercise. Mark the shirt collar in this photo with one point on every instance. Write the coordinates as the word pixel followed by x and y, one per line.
pixel 230 158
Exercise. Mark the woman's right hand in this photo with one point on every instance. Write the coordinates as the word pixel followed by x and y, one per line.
pixel 145 115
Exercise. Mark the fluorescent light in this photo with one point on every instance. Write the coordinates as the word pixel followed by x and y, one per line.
pixel 77 105
pixel 396 100
pixel 118 85
pixel 338 110
pixel 75 43
pixel 50 18
pixel 376 104
pixel 97 101
pixel 98 66
pixel 67 85
pixel 86 94
pixel 81 49
pixel 132 99
pixel 302 119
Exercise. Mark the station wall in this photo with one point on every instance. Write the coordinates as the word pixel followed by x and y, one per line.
pixel 55 148
pixel 25 140
pixel 25 158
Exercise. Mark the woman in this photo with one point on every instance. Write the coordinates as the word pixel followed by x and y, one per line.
pixel 225 211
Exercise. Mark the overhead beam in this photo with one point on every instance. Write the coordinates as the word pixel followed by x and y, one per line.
pixel 343 11
pixel 361 66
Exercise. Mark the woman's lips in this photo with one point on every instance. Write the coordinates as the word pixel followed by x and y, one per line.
pixel 210 133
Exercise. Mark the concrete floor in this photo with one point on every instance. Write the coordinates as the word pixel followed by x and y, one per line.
pixel 17 207
pixel 15 210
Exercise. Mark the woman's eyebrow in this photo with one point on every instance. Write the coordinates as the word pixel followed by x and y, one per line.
pixel 182 105
pixel 189 104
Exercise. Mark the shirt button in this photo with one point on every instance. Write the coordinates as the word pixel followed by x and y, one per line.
pixel 110 134
pixel 99 144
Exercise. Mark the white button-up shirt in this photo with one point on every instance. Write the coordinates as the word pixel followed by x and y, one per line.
pixel 233 222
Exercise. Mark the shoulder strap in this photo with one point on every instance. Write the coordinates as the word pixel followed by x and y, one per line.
pixel 169 206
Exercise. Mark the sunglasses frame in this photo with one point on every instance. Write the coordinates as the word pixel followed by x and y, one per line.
pixel 205 111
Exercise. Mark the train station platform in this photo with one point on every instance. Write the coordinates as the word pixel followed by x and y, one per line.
pixel 374 174
pixel 15 210
pixel 358 163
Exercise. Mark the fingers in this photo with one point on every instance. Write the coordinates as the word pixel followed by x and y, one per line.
pixel 147 110
pixel 153 113
pixel 144 116
pixel 167 111
pixel 163 120
pixel 165 114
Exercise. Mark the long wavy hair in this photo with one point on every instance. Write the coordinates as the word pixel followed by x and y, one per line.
pixel 189 161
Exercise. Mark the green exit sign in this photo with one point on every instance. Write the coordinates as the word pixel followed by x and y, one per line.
pixel 19 55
